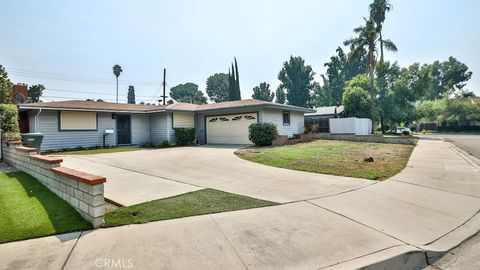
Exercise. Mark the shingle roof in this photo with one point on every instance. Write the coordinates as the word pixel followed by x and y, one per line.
pixel 108 106
pixel 92 105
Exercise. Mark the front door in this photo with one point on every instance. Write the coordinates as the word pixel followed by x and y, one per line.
pixel 123 129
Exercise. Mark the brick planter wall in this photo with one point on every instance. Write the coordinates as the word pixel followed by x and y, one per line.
pixel 283 140
pixel 81 190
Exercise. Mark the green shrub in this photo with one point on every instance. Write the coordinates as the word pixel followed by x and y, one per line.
pixel 262 134
pixel 165 143
pixel 9 122
pixel 184 136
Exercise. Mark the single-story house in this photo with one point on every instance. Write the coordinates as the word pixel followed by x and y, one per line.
pixel 322 115
pixel 68 124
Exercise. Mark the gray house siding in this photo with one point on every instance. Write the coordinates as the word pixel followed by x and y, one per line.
pixel 140 128
pixel 54 139
pixel 158 127
pixel 297 121
pixel 147 127
pixel 200 127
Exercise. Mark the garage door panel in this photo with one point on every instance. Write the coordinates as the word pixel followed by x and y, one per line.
pixel 229 129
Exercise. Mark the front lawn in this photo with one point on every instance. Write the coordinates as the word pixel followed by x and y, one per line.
pixel 334 157
pixel 30 210
pixel 201 202
pixel 94 151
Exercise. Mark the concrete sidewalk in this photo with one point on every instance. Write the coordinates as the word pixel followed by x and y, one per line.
pixel 402 223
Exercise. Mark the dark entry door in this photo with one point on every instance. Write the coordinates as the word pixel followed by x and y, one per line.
pixel 124 129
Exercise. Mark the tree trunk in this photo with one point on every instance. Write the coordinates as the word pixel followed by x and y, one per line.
pixel 372 88
pixel 381 49
pixel 117 90
pixel 382 125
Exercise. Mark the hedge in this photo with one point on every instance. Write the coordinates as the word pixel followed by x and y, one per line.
pixel 262 134
pixel 9 122
pixel 184 136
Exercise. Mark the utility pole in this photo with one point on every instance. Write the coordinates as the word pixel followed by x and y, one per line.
pixel 164 84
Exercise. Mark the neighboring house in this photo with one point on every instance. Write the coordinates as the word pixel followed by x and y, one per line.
pixel 68 124
pixel 321 116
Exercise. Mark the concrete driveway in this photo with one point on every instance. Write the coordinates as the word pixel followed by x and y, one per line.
pixel 144 175
pixel 405 222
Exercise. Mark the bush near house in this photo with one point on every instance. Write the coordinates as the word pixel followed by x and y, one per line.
pixel 9 122
pixel 184 136
pixel 262 134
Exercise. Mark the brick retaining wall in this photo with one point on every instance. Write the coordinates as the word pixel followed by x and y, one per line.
pixel 81 190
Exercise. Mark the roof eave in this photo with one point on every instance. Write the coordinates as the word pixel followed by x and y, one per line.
pixel 85 109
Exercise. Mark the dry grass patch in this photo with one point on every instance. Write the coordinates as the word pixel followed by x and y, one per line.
pixel 334 157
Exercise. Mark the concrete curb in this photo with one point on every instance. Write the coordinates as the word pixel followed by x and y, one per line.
pixel 475 162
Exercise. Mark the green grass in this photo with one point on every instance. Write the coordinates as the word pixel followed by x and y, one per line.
pixel 99 151
pixel 30 210
pixel 341 158
pixel 195 203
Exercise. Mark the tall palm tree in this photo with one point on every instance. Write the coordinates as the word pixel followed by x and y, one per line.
pixel 117 69
pixel 368 38
pixel 378 9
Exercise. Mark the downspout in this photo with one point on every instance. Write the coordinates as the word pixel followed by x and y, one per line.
pixel 168 127
pixel 36 120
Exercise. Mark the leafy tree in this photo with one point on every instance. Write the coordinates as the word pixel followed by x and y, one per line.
pixel 356 98
pixel 322 95
pixel 461 110
pixel 35 92
pixel 117 70
pixel 430 110
pixel 217 87
pixel 367 38
pixel 262 92
pixel 341 68
pixel 188 93
pixel 448 111
pixel 447 78
pixel 131 95
pixel 5 87
pixel 280 94
pixel 297 79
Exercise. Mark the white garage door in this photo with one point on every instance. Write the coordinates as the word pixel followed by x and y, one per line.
pixel 229 129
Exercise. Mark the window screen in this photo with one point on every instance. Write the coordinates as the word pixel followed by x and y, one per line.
pixel 78 120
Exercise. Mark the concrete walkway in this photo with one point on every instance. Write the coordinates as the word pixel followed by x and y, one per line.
pixel 418 215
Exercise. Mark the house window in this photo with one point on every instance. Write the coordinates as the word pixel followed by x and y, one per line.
pixel 286 118
pixel 77 121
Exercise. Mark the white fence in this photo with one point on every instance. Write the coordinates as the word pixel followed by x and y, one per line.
pixel 351 125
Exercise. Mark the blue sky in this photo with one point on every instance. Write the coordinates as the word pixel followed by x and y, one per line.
pixel 194 39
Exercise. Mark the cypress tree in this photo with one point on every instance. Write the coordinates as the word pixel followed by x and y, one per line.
pixel 230 86
pixel 238 95
pixel 131 95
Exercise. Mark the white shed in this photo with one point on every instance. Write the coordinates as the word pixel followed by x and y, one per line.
pixel 350 125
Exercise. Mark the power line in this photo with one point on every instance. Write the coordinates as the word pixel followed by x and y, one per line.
pixel 87 92
pixel 74 78
pixel 82 98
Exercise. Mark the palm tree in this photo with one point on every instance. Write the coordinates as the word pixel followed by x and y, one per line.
pixel 117 69
pixel 368 38
pixel 378 9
